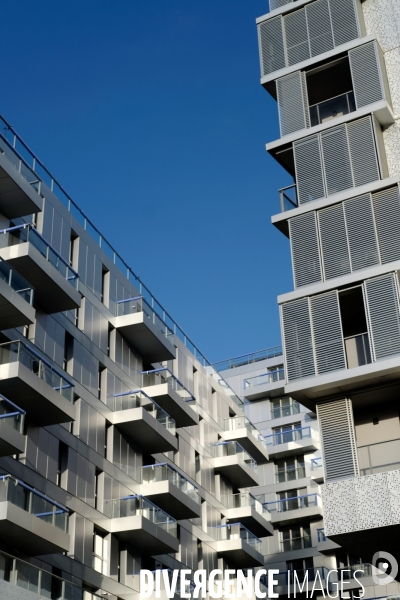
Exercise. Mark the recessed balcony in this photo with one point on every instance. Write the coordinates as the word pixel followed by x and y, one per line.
pixel 136 520
pixel 37 386
pixel 247 510
pixel 292 442
pixel 298 508
pixel 55 282
pixel 241 430
pixel 16 298
pixel 12 439
pixel 143 420
pixel 29 519
pixel 236 464
pixel 171 395
pixel 238 545
pixel 171 491
pixel 271 384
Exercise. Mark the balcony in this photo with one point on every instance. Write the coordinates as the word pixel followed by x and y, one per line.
pixel 28 519
pixel 238 545
pixel 317 470
pixel 331 109
pixel 171 395
pixel 271 384
pixel 292 442
pixel 247 510
pixel 241 430
pixel 16 299
pixel 290 475
pixel 55 282
pixel 234 463
pixel 39 388
pixel 298 508
pixel 171 491
pixel 288 199
pixel 12 439
pixel 143 420
pixel 136 520
pixel 325 545
pixel 138 322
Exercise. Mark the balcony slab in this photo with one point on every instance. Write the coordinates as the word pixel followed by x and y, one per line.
pixel 265 390
pixel 14 310
pixel 287 517
pixel 236 471
pixel 145 430
pixel 17 197
pixel 173 404
pixel 171 499
pixel 308 444
pixel 11 440
pixel 145 336
pixel 144 534
pixel 239 552
pixel 250 518
pixel 248 442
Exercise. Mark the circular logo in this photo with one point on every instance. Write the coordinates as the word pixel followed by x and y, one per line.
pixel 387 568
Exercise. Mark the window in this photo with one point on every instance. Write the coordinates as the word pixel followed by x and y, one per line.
pixel 100 553
pixel 284 407
pixel 346 561
pixel 295 538
pixel 300 566
pixel 68 352
pixel 287 433
pixel 290 469
pixel 293 499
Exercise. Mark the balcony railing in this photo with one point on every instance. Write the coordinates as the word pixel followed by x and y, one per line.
pixel 235 531
pixel 139 399
pixel 133 506
pixel 358 351
pixel 19 352
pixel 16 282
pixel 11 414
pixel 164 375
pixel 288 197
pixel 27 233
pixel 245 499
pixel 139 304
pixel 295 503
pixel 296 543
pixel 316 463
pixel 332 108
pixel 290 474
pixel 34 502
pixel 293 435
pixel 277 412
pixel 265 378
pixel 233 448
pixel 234 423
pixel 321 535
pixel 165 472
pixel 248 359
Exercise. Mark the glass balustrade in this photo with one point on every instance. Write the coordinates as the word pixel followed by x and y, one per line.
pixel 164 375
pixel 290 474
pixel 288 197
pixel 332 108
pixel 134 506
pixel 321 535
pixel 165 472
pixel 16 282
pixel 293 544
pixel 235 423
pixel 316 463
pixel 295 503
pixel 285 410
pixel 140 305
pixel 244 500
pixel 222 449
pixel 291 435
pixel 265 378
pixel 139 399
pixel 237 531
pixel 11 414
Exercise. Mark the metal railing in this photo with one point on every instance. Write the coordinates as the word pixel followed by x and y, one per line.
pixel 136 505
pixel 296 543
pixel 236 531
pixel 247 359
pixel 139 399
pixel 233 448
pixel 295 503
pixel 12 414
pixel 290 474
pixel 333 107
pixel 35 503
pixel 166 472
pixel 244 500
pixel 27 233
pixel 277 412
pixel 265 378
pixel 292 435
pixel 16 282
pixel 164 375
pixel 139 304
pixel 17 351
pixel 288 197
pixel 235 423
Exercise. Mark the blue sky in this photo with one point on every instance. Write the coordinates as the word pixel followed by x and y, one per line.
pixel 155 110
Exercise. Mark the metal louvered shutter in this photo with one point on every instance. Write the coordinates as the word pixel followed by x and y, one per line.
pixel 335 250
pixel 335 148
pixel 292 103
pixel 277 3
pixel 272 51
pixel 305 249
pixel 296 34
pixel 383 315
pixel 327 332
pixel 363 151
pixel 344 21
pixel 361 232
pixel 319 27
pixel 308 164
pixel 338 440
pixel 298 339
pixel 365 73
pixel 387 218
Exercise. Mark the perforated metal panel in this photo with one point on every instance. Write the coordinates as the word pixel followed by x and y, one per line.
pixel 365 72
pixel 272 52
pixel 298 339
pixel 305 249
pixel 308 165
pixel 292 103
pixel 344 21
pixel 319 27
pixel 363 151
pixel 335 148
pixel 381 296
pixel 334 246
pixel 338 440
pixel 327 332
pixel 361 232
pixel 296 35
pixel 387 218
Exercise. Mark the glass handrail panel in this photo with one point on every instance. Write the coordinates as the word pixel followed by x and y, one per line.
pixel 291 435
pixel 235 423
pixel 131 506
pixel 321 535
pixel 290 474
pixel 277 412
pixel 244 500
pixel 16 282
pixel 235 531
pixel 295 503
pixel 316 463
pixel 164 472
pixel 296 544
pixel 139 399
pixel 265 378
pixel 11 414
pixel 288 197
pixel 332 108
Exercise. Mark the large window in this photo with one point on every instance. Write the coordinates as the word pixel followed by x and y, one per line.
pixel 296 538
pixel 284 407
pixel 290 469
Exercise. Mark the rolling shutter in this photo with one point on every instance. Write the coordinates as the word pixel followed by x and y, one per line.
pixel 344 21
pixel 319 27
pixel 387 218
pixel 335 149
pixel 305 249
pixel 335 251
pixel 327 332
pixel 292 103
pixel 363 151
pixel 309 176
pixel 361 232
pixel 339 449
pixel 382 303
pixel 272 52
pixel 365 73
pixel 298 339
pixel 296 34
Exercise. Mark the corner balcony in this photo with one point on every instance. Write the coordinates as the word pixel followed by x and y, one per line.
pixel 29 519
pixel 138 322
pixel 241 430
pixel 171 491
pixel 39 388
pixel 325 545
pixel 271 384
pixel 238 545
pixel 136 520
pixel 317 470
pixel 143 420
pixel 162 385
pixel 55 282
pixel 298 508
pixel 292 442
pixel 16 298
pixel 234 463
pixel 247 510
pixel 12 439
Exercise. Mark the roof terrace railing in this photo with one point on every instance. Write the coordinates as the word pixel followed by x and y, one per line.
pixel 248 359
pixel 12 414
pixel 16 282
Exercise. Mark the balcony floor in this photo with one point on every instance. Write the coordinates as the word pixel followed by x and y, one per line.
pixel 236 471
pixel 239 552
pixel 173 404
pixel 249 443
pixel 171 499
pixel 145 337
pixel 144 535
pixel 145 430
pixel 250 518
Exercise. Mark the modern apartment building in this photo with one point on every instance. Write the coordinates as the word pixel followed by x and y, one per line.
pixel 333 67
